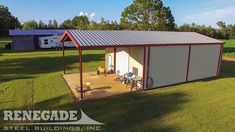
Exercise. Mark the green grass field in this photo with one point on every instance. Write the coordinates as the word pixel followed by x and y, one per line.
pixel 229 48
pixel 33 80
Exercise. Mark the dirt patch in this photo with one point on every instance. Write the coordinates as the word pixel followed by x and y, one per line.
pixel 227 59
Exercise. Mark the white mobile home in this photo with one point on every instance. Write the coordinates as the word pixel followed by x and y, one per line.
pixel 47 42
pixel 160 58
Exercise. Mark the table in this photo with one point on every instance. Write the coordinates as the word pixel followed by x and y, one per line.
pixel 135 81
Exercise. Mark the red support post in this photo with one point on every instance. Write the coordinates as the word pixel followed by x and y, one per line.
pixel 63 60
pixel 81 79
pixel 114 56
pixel 143 81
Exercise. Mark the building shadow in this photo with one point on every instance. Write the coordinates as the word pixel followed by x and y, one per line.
pixel 23 68
pixel 141 111
pixel 228 69
pixel 127 112
pixel 229 50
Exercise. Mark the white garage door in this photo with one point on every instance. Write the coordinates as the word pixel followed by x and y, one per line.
pixel 122 59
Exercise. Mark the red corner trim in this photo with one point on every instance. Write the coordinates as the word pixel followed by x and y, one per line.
pixel 144 68
pixel 188 65
pixel 220 59
pixel 148 63
pixel 68 34
pixel 114 56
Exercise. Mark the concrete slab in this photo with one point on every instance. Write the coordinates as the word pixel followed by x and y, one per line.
pixel 102 85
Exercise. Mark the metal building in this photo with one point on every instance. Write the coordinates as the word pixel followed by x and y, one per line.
pixel 160 58
pixel 29 39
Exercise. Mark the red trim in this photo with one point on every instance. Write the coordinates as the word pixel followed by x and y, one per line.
pixel 73 39
pixel 144 68
pixel 66 33
pixel 142 45
pixel 148 63
pixel 114 56
pixel 220 59
pixel 138 45
pixel 189 57
pixel 63 37
pixel 81 79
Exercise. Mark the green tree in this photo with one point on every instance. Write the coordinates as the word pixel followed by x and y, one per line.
pixel 223 30
pixel 41 25
pixel 29 25
pixel 205 30
pixel 55 24
pixel 7 20
pixel 104 24
pixel 50 25
pixel 185 28
pixel 81 22
pixel 115 26
pixel 94 26
pixel 231 31
pixel 147 15
pixel 67 24
pixel 221 24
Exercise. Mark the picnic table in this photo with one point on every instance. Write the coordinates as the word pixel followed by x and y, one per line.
pixel 130 79
pixel 135 81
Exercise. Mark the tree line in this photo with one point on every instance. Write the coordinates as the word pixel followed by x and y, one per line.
pixel 222 32
pixel 147 15
pixel 78 22
pixel 32 24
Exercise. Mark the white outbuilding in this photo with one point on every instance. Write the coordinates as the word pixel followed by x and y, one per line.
pixel 160 58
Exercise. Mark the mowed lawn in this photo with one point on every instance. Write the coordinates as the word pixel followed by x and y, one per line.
pixel 33 80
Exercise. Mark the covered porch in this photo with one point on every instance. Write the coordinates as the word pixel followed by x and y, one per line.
pixel 101 85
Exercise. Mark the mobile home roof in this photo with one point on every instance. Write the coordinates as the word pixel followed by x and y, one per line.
pixel 86 38
pixel 35 32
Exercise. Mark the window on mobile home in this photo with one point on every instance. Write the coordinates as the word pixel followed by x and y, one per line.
pixel 45 41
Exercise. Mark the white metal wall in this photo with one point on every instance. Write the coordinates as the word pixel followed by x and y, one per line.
pixel 168 65
pixel 203 61
pixel 122 60
pixel 136 59
pixel 126 59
